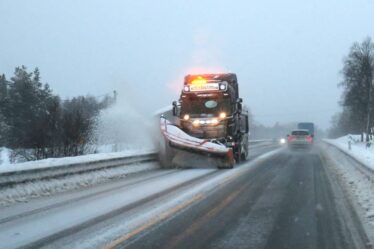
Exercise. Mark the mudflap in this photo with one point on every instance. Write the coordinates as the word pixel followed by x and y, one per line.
pixel 179 150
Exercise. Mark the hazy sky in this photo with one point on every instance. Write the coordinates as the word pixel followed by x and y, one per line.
pixel 287 54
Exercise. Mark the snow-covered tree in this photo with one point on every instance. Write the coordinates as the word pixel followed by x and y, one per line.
pixel 37 124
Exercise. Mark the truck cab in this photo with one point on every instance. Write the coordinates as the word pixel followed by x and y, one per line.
pixel 209 108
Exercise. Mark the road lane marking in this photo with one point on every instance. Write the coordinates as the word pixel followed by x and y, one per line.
pixel 153 221
pixel 232 174
pixel 193 227
pixel 171 212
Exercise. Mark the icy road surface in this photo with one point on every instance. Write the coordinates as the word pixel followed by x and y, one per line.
pixel 288 201
pixel 278 199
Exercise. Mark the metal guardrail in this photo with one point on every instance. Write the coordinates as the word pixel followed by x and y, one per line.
pixel 15 177
pixel 369 172
pixel 44 173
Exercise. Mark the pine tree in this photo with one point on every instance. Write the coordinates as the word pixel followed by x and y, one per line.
pixel 4 128
pixel 27 112
pixel 34 121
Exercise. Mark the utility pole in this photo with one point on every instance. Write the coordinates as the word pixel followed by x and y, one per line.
pixel 115 94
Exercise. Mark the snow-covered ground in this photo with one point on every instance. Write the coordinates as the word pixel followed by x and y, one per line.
pixel 358 149
pixel 4 156
pixel 34 189
pixel 359 184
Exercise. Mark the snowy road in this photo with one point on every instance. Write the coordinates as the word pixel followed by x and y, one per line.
pixel 288 201
pixel 276 200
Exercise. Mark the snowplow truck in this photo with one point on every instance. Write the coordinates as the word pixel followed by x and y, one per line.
pixel 208 120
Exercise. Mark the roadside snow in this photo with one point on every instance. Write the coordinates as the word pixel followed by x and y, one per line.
pixel 359 185
pixel 33 189
pixel 57 162
pixel 4 156
pixel 358 150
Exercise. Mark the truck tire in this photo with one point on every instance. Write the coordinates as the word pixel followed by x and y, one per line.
pixel 238 153
pixel 244 155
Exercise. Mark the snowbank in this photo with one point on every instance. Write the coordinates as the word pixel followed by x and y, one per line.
pixel 4 156
pixel 359 186
pixel 358 150
pixel 34 189
pixel 56 162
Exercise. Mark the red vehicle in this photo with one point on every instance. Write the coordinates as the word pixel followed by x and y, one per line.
pixel 300 139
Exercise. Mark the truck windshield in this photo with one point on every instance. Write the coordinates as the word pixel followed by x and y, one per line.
pixel 205 106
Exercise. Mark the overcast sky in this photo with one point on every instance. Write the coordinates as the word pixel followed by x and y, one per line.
pixel 287 54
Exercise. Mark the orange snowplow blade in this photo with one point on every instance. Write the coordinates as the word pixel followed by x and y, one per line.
pixel 181 141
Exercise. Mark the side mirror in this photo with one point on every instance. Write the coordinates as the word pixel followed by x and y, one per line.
pixel 174 108
pixel 239 107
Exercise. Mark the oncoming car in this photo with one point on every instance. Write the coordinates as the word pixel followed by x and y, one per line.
pixel 300 139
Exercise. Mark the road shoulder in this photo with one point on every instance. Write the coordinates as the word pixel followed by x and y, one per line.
pixel 351 189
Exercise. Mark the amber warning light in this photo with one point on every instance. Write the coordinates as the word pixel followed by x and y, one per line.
pixel 199 84
pixel 198 81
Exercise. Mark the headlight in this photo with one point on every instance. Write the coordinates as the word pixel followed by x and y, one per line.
pixel 282 141
pixel 196 122
pixel 222 115
pixel 214 121
pixel 222 87
pixel 186 117
pixel 186 88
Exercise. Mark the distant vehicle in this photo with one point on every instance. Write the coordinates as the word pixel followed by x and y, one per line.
pixel 307 126
pixel 300 138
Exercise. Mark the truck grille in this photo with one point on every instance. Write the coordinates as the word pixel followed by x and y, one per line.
pixel 218 131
